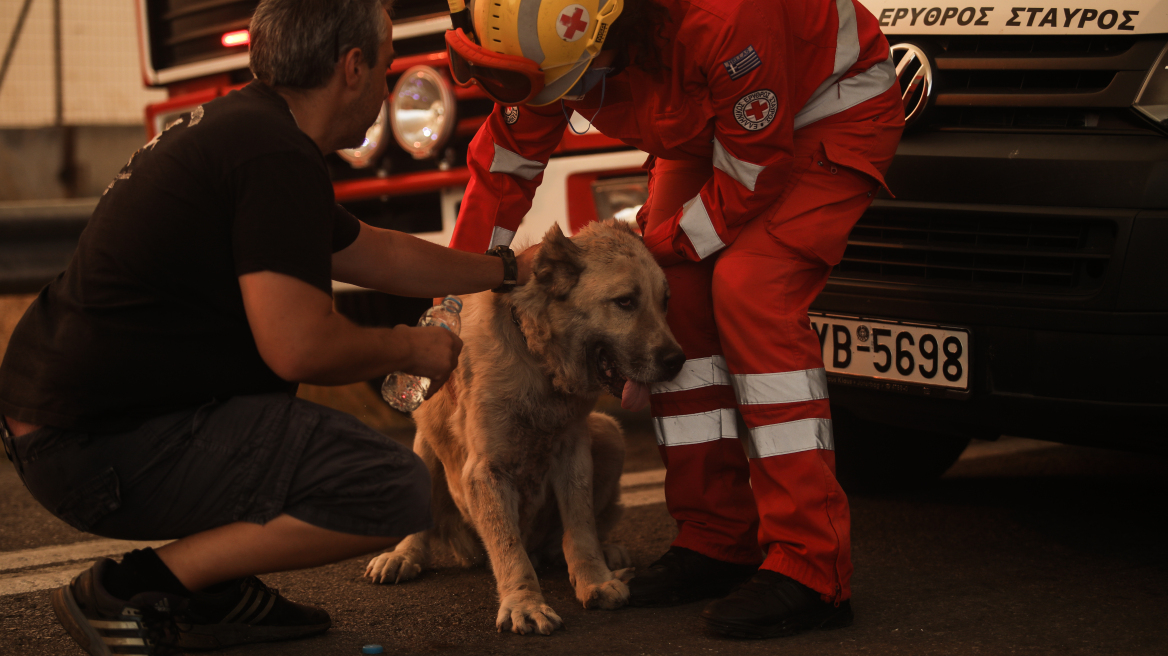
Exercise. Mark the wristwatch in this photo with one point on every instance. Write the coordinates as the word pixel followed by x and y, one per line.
pixel 510 268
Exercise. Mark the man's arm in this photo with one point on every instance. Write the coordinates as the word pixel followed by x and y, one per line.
pixel 303 339
pixel 399 263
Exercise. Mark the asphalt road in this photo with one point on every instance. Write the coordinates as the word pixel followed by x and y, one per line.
pixel 1022 548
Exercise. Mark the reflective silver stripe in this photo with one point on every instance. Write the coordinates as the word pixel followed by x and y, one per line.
pixel 508 162
pixel 786 387
pixel 744 172
pixel 852 92
pixel 702 427
pixel 528 28
pixel 829 99
pixel 847 48
pixel 501 237
pixel 699 372
pixel 695 221
pixel 789 437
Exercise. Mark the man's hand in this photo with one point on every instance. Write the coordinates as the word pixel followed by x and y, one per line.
pixel 434 352
pixel 303 339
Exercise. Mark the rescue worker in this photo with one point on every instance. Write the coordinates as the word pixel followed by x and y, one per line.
pixel 769 127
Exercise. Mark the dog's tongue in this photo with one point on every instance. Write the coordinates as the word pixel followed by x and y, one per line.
pixel 635 396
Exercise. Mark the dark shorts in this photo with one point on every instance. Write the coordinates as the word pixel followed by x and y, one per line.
pixel 249 458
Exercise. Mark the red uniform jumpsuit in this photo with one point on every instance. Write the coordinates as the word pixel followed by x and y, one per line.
pixel 769 125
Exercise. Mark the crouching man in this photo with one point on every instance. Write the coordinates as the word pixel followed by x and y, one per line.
pixel 149 391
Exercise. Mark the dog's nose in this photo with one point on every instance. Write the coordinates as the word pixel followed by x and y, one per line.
pixel 671 360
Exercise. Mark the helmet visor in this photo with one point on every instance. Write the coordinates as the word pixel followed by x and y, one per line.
pixel 507 79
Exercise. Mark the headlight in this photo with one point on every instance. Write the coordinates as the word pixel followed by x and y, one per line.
pixel 620 198
pixel 422 110
pixel 369 152
pixel 1153 99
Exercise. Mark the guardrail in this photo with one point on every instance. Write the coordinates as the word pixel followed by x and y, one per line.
pixel 37 238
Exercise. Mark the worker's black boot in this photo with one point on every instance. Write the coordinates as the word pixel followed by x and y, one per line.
pixel 771 605
pixel 682 576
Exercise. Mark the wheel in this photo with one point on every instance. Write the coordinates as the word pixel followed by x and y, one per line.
pixel 873 457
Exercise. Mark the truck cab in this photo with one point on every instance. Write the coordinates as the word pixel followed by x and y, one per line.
pixel 1013 285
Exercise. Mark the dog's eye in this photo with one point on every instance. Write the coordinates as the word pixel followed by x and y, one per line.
pixel 626 302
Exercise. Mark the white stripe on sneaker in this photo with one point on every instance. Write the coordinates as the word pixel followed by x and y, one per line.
pixel 264 613
pixel 122 642
pixel 112 625
pixel 244 619
pixel 235 612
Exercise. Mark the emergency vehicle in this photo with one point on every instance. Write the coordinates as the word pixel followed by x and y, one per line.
pixel 1014 285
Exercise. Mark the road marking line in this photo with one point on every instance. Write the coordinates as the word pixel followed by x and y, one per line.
pixel 1004 446
pixel 62 553
pixel 651 477
pixel 643 497
pixel 41 579
pixel 52 575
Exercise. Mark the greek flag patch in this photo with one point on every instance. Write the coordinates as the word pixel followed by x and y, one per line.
pixel 742 63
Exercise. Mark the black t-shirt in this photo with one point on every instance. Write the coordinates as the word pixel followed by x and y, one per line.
pixel 148 317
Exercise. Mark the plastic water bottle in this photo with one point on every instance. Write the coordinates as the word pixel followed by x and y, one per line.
pixel 405 391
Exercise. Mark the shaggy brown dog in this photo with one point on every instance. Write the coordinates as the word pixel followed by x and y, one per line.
pixel 520 463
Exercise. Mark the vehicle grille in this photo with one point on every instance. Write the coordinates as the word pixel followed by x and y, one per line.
pixel 1039 83
pixel 189 31
pixel 411 9
pixel 972 250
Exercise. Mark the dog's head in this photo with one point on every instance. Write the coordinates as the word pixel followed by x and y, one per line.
pixel 594 311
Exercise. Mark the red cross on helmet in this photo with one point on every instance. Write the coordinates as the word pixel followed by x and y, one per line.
pixel 527 51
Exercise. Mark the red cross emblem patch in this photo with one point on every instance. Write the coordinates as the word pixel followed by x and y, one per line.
pixel 756 110
pixel 573 23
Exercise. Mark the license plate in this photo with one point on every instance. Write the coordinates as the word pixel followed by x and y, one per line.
pixel 899 353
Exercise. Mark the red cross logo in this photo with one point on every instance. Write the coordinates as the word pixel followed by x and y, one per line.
pixel 757 110
pixel 573 24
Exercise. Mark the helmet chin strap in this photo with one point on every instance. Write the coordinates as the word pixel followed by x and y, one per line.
pixel 460 17
pixel 564 108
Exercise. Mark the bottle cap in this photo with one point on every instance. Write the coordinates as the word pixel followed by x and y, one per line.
pixel 372 649
pixel 454 299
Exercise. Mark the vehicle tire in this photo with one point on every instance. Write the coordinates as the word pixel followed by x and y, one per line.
pixel 874 457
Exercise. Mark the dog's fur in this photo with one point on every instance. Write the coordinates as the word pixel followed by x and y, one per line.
pixel 520 463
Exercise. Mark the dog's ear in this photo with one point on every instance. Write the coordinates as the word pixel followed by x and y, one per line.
pixel 558 265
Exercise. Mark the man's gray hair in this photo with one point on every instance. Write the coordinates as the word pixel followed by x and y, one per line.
pixel 297 43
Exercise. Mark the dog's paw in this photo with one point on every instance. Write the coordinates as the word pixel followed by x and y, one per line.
pixel 392 567
pixel 608 595
pixel 526 612
pixel 615 556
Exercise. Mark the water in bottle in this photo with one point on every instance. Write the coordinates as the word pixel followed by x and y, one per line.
pixel 405 391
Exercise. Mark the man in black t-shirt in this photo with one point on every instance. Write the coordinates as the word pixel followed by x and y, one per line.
pixel 148 392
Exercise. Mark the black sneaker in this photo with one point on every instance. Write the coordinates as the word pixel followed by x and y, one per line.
pixel 104 625
pixel 771 605
pixel 245 611
pixel 682 576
